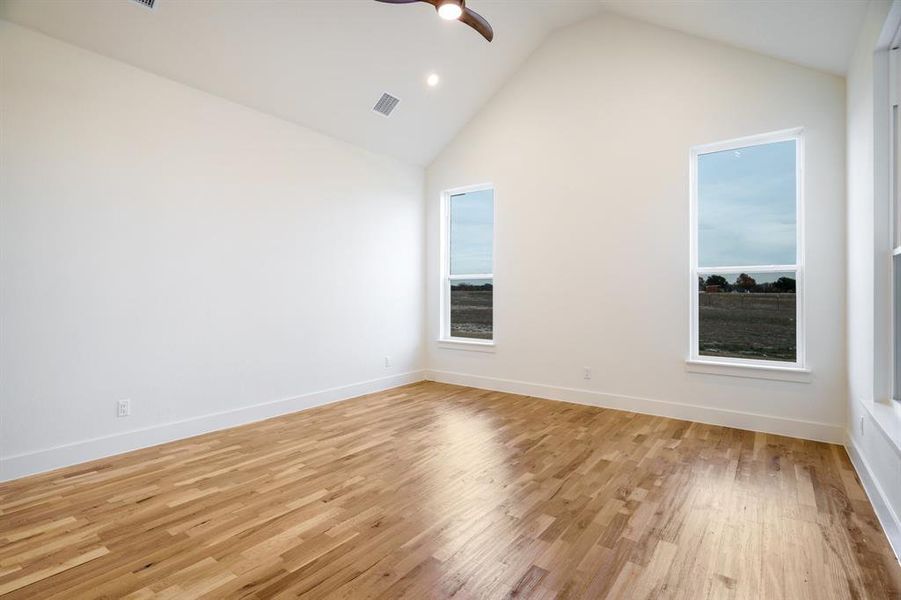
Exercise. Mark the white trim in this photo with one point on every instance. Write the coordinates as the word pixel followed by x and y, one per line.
pixel 21 465
pixel 891 523
pixel 466 344
pixel 809 430
pixel 782 135
pixel 746 369
pixel 444 337
pixel 737 364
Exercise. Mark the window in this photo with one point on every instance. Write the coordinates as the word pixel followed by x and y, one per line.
pixel 747 274
pixel 895 194
pixel 467 311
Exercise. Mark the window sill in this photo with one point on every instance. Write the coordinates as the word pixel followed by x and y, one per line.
pixel 471 345
pixel 776 373
pixel 887 416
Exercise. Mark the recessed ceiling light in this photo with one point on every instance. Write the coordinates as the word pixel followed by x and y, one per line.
pixel 433 80
pixel 450 10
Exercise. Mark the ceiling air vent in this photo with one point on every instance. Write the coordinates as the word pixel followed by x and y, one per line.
pixel 147 3
pixel 386 104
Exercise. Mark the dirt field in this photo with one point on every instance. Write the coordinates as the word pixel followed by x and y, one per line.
pixel 471 314
pixel 760 326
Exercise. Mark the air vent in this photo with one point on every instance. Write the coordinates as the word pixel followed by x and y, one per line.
pixel 386 104
pixel 147 3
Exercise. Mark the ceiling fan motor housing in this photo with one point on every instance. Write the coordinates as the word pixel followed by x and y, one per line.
pixel 455 10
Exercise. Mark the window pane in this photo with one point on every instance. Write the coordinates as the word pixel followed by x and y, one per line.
pixel 472 308
pixel 896 176
pixel 747 206
pixel 747 315
pixel 471 232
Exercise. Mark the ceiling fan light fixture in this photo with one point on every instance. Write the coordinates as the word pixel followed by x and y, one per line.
pixel 450 10
pixel 453 10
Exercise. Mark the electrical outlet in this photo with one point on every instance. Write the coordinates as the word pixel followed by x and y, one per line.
pixel 387 362
pixel 587 373
pixel 123 408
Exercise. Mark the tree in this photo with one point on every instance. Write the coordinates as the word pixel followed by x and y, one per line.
pixel 784 285
pixel 701 284
pixel 745 283
pixel 719 281
pixel 472 287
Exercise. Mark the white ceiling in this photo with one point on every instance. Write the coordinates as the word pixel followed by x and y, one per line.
pixel 814 33
pixel 324 63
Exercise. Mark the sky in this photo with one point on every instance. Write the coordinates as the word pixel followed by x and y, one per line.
pixel 746 213
pixel 746 206
pixel 471 232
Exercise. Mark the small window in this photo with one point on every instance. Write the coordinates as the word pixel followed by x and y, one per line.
pixel 468 266
pixel 746 271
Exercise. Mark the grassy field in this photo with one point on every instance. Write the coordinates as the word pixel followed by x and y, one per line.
pixel 471 314
pixel 757 326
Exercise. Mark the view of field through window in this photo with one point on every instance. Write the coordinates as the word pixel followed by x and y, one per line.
pixel 472 309
pixel 471 265
pixel 747 220
pixel 748 316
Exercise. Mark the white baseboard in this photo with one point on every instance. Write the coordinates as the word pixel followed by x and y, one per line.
pixel 21 465
pixel 810 430
pixel 890 522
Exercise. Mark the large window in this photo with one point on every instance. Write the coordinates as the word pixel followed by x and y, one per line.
pixel 746 252
pixel 467 311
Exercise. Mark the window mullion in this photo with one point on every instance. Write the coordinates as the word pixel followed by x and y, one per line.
pixel 746 269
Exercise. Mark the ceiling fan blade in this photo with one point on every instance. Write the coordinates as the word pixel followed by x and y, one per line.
pixel 432 2
pixel 477 22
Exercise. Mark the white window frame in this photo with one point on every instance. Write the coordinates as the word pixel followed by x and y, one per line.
pixel 893 117
pixel 444 337
pixel 894 122
pixel 885 94
pixel 745 367
pixel 884 411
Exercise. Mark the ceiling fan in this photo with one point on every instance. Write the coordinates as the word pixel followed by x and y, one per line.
pixel 453 10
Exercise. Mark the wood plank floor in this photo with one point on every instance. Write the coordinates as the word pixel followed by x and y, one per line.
pixel 439 491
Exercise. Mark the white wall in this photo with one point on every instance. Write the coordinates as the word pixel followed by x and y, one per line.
pixel 198 257
pixel 588 147
pixel 874 426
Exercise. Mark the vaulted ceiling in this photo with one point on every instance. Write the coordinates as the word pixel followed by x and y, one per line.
pixel 324 63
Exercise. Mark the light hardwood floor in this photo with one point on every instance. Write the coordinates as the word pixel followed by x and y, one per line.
pixel 436 491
